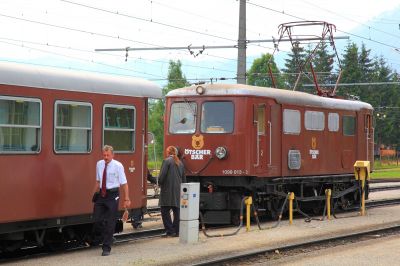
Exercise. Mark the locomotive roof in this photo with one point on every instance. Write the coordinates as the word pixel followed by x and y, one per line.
pixel 81 81
pixel 280 95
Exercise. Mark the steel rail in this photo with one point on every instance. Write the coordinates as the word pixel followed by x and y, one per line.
pixel 127 237
pixel 382 203
pixel 383 188
pixel 39 252
pixel 384 180
pixel 236 258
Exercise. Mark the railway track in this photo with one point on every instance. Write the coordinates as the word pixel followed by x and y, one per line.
pixel 383 188
pixel 38 252
pixel 269 255
pixel 127 237
pixel 384 180
pixel 264 255
pixel 382 203
pixel 153 209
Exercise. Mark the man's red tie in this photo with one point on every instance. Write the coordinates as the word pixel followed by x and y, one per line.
pixel 104 181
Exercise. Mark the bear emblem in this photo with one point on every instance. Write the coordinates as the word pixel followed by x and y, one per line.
pixel 197 142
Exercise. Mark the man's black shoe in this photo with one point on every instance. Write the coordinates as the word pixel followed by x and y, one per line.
pixel 105 253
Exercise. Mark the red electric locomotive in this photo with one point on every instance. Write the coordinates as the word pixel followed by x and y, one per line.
pixel 240 140
pixel 53 124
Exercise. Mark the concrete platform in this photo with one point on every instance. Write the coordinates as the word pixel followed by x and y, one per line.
pixel 168 251
pixel 377 251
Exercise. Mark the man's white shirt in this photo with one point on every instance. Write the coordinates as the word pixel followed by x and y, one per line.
pixel 115 173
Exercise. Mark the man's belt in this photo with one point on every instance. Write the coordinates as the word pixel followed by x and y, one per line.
pixel 112 190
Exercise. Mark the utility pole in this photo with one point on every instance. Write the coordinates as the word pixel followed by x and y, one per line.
pixel 241 61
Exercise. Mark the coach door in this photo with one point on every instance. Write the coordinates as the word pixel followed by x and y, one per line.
pixel 262 154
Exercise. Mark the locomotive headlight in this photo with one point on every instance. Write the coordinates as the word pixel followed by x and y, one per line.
pixel 221 152
pixel 200 90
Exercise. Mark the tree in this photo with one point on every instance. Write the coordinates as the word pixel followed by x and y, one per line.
pixel 323 65
pixel 365 63
pixel 176 79
pixel 386 127
pixel 351 72
pixel 258 74
pixel 297 57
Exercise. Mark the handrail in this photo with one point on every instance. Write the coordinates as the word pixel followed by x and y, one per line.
pixel 270 143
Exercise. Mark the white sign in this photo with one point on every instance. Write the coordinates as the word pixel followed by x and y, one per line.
pixel 314 154
pixel 197 154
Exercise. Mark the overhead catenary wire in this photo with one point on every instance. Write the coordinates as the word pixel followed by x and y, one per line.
pixel 301 18
pixel 154 21
pixel 109 54
pixel 81 59
pixel 89 32
pixel 202 16
pixel 147 20
pixel 116 37
pixel 351 19
pixel 113 55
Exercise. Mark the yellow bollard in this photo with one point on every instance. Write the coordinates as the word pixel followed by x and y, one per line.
pixel 363 197
pixel 362 172
pixel 328 193
pixel 291 198
pixel 248 203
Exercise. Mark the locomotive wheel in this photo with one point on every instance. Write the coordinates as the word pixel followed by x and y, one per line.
pixel 344 203
pixel 317 208
pixel 235 218
pixel 276 206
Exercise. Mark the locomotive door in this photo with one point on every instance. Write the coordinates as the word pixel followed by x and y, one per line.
pixel 369 133
pixel 262 154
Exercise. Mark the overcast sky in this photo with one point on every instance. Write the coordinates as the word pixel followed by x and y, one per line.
pixel 66 33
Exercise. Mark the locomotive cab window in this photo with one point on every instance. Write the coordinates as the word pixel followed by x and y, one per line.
pixel 183 118
pixel 73 127
pixel 291 122
pixel 349 125
pixel 20 125
pixel 119 127
pixel 217 117
pixel 314 120
pixel 333 122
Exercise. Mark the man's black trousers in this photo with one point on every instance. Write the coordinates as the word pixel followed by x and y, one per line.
pixel 105 217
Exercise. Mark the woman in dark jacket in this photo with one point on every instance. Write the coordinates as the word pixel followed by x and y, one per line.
pixel 172 174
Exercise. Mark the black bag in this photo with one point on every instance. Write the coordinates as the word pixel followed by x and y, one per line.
pixel 95 197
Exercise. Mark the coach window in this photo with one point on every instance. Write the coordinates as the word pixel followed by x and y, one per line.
pixel 349 125
pixel 183 118
pixel 73 127
pixel 217 117
pixel 291 122
pixel 314 120
pixel 333 122
pixel 119 127
pixel 20 125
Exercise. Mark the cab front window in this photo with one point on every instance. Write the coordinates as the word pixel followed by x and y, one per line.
pixel 217 117
pixel 183 118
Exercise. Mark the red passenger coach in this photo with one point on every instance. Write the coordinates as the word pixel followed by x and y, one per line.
pixel 53 124
pixel 240 140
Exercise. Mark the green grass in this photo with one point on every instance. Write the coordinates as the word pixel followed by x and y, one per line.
pixel 386 173
pixel 152 165
pixel 386 169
